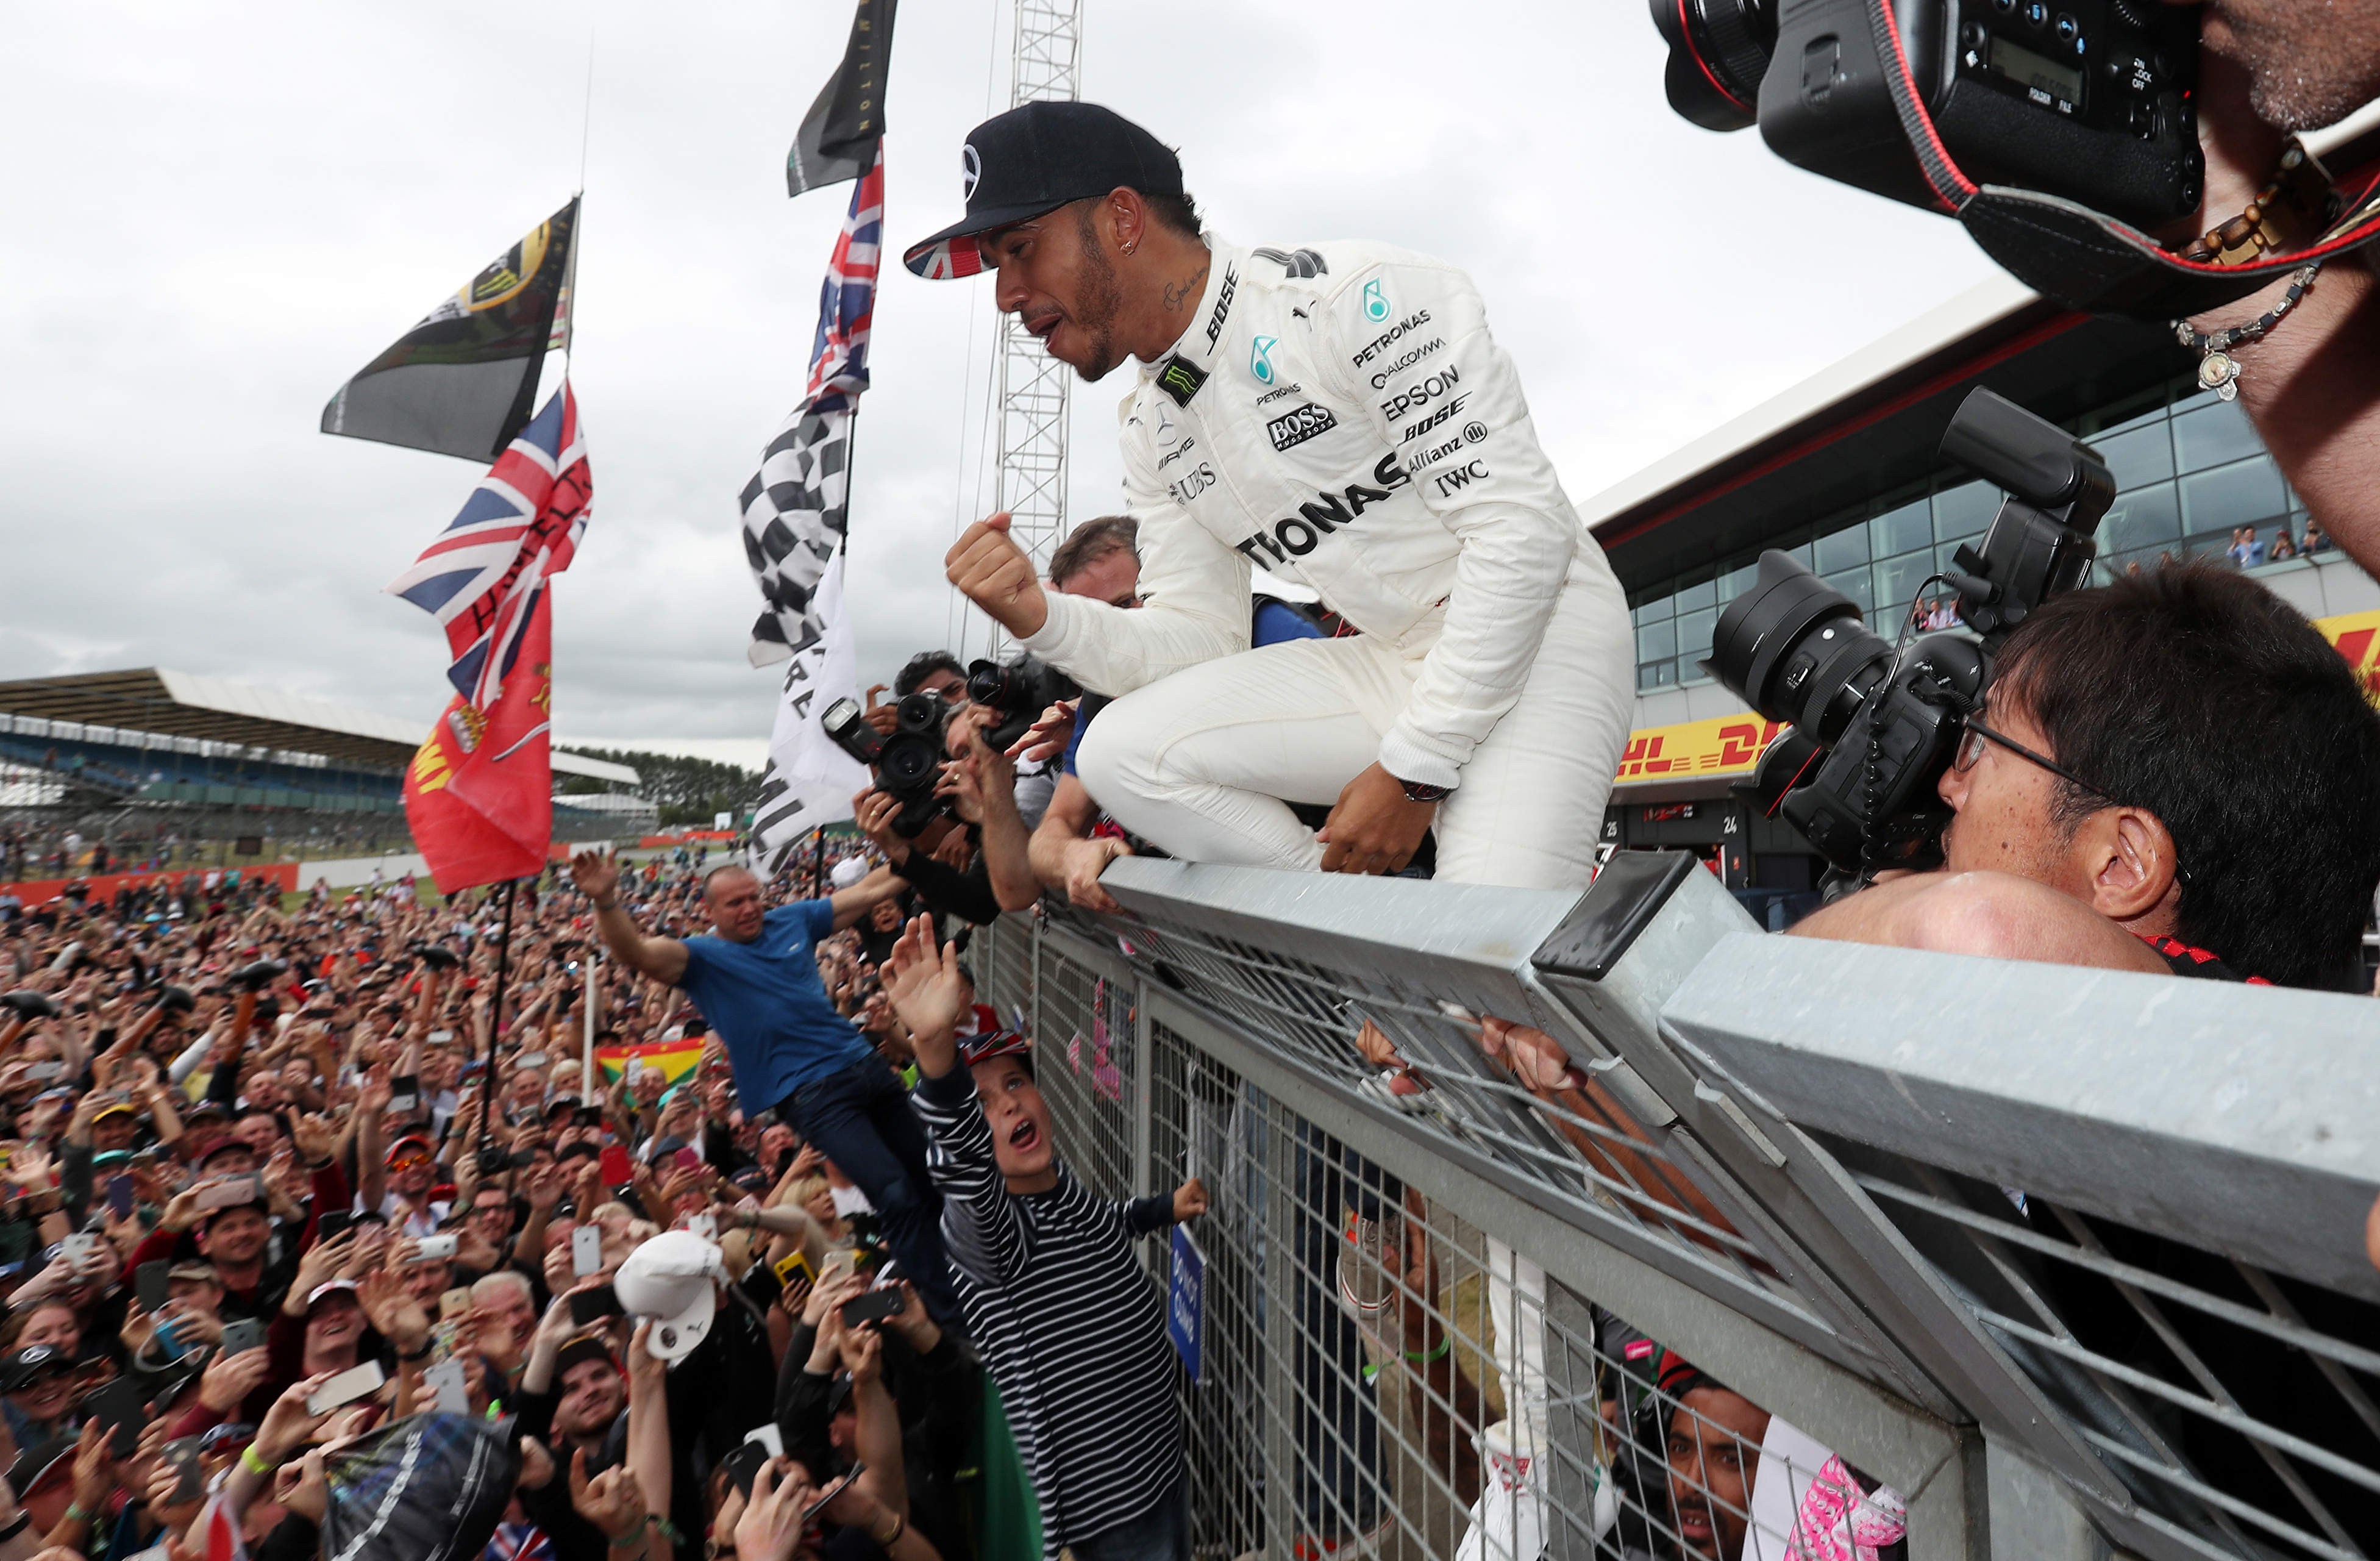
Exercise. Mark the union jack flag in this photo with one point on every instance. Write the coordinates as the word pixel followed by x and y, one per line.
pixel 482 576
pixel 795 505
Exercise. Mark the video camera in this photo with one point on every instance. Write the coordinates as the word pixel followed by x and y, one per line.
pixel 2089 100
pixel 909 763
pixel 1872 728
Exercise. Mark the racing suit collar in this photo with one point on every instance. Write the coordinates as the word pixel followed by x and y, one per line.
pixel 1201 340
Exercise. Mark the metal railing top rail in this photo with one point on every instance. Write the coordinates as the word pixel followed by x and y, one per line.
pixel 1309 962
pixel 2245 1119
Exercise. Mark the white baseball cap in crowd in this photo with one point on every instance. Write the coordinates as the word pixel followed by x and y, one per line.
pixel 849 870
pixel 671 1279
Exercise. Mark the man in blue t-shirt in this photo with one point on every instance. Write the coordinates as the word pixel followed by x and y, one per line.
pixel 755 980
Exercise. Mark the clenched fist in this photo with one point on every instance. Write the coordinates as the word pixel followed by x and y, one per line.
pixel 996 575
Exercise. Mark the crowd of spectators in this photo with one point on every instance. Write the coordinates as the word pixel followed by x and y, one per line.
pixel 252 1147
pixel 2250 551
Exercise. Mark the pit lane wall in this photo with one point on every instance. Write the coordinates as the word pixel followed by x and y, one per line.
pixel 2068 1262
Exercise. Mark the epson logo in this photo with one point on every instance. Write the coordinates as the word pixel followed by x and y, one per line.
pixel 1297 426
pixel 1300 534
pixel 1439 416
pixel 1414 355
pixel 1222 306
pixel 1413 322
pixel 1422 395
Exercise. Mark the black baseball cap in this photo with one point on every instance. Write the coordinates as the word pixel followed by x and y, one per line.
pixel 1036 159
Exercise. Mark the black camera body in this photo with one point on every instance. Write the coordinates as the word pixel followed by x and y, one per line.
pixel 909 763
pixel 1020 691
pixel 2089 100
pixel 1872 728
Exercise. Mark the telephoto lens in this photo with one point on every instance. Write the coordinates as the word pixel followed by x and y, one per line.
pixel 1794 649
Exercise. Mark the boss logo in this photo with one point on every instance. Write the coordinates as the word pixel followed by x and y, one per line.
pixel 1296 427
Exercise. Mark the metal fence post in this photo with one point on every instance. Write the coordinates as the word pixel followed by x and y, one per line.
pixel 1144 1091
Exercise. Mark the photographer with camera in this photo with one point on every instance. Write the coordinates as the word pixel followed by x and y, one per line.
pixel 1345 415
pixel 2109 798
pixel 2086 780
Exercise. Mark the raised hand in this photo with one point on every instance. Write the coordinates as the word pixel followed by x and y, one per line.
pixel 928 992
pixel 612 1501
pixel 771 1526
pixel 998 576
pixel 229 1379
pixel 597 876
pixel 1047 737
pixel 392 1309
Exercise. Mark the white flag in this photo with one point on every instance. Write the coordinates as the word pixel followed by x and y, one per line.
pixel 809 781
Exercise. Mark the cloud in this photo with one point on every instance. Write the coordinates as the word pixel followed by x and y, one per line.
pixel 218 213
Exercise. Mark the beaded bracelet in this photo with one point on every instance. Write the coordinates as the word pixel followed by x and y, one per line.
pixel 2219 370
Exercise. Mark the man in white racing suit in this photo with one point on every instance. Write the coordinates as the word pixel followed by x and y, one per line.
pixel 1339 414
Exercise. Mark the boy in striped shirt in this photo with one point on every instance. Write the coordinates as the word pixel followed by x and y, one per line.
pixel 1070 1324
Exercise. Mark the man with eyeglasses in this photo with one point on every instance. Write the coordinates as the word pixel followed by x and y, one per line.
pixel 2113 799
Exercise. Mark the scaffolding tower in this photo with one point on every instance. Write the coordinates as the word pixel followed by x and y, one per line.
pixel 1046 65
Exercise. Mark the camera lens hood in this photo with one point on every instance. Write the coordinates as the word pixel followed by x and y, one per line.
pixel 1763 626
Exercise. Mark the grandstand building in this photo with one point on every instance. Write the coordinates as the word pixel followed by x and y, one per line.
pixel 1843 471
pixel 153 768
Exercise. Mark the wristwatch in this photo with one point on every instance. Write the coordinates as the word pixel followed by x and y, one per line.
pixel 1422 791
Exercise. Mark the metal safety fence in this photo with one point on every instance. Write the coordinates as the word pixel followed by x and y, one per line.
pixel 1607 1226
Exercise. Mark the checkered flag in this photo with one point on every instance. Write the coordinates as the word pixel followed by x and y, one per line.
pixel 794 512
pixel 794 507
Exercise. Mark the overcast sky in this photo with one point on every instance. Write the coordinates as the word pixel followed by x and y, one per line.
pixel 216 213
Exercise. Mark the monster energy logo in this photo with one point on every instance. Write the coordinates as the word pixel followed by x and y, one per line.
pixel 1180 380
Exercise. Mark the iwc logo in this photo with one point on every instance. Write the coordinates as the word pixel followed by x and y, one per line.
pixel 970 172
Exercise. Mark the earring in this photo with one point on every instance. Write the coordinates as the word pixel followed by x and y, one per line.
pixel 1130 245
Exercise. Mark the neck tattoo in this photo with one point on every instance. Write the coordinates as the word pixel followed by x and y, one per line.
pixel 1178 294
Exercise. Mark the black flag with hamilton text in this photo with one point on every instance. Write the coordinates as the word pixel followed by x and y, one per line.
pixel 838 139
pixel 463 381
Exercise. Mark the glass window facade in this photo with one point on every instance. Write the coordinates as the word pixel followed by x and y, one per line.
pixel 2189 471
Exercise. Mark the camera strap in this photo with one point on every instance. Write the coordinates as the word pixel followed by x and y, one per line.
pixel 2072 255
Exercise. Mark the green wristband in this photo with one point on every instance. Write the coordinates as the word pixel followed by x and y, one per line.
pixel 1445 1348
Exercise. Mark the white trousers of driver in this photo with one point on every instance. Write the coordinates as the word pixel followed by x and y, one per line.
pixel 1203 762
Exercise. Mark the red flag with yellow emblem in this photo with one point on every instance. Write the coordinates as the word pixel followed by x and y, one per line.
pixel 479 792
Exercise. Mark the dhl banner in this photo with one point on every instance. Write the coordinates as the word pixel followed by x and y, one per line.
pixel 2357 635
pixel 1730 745
pixel 1726 745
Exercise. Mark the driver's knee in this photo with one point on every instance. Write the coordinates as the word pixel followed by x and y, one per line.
pixel 1120 756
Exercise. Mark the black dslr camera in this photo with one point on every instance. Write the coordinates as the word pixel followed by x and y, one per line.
pixel 1020 691
pixel 1921 100
pixel 1872 729
pixel 909 763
